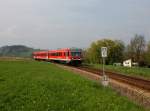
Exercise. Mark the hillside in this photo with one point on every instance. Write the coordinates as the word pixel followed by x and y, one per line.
pixel 16 51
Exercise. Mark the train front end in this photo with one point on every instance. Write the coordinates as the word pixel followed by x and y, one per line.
pixel 76 56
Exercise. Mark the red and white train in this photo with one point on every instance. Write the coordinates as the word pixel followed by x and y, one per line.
pixel 68 55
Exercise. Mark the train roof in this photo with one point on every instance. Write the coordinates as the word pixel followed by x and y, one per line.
pixel 61 50
pixel 66 49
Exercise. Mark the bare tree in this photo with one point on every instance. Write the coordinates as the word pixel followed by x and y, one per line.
pixel 147 55
pixel 136 47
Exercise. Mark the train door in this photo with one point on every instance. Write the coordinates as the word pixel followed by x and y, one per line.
pixel 47 55
pixel 67 55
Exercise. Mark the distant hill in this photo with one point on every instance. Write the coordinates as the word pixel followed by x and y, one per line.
pixel 16 51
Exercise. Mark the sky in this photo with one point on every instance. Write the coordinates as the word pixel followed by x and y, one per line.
pixel 51 24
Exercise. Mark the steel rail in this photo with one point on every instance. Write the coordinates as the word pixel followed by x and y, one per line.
pixel 135 81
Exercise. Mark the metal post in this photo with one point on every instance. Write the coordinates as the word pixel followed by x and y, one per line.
pixel 103 66
pixel 105 80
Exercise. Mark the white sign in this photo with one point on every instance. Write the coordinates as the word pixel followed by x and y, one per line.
pixel 104 51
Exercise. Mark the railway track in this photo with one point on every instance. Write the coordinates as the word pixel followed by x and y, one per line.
pixel 137 82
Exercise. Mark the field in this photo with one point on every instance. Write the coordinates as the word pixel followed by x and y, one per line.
pixel 41 86
pixel 134 71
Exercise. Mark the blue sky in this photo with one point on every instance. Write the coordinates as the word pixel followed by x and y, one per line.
pixel 52 24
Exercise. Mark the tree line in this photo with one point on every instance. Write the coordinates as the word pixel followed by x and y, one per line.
pixel 138 50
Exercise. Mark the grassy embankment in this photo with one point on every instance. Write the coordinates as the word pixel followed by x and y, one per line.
pixel 134 71
pixel 41 86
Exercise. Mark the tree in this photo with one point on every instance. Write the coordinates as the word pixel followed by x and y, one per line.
pixel 136 48
pixel 92 55
pixel 118 51
pixel 115 51
pixel 147 55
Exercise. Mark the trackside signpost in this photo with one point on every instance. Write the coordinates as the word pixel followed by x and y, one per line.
pixel 104 52
pixel 105 80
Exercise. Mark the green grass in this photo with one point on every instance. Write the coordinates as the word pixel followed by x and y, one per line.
pixel 41 86
pixel 134 71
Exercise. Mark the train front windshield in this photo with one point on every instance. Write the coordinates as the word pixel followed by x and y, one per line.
pixel 76 54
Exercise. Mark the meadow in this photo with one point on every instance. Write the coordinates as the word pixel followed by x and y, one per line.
pixel 133 71
pixel 41 86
